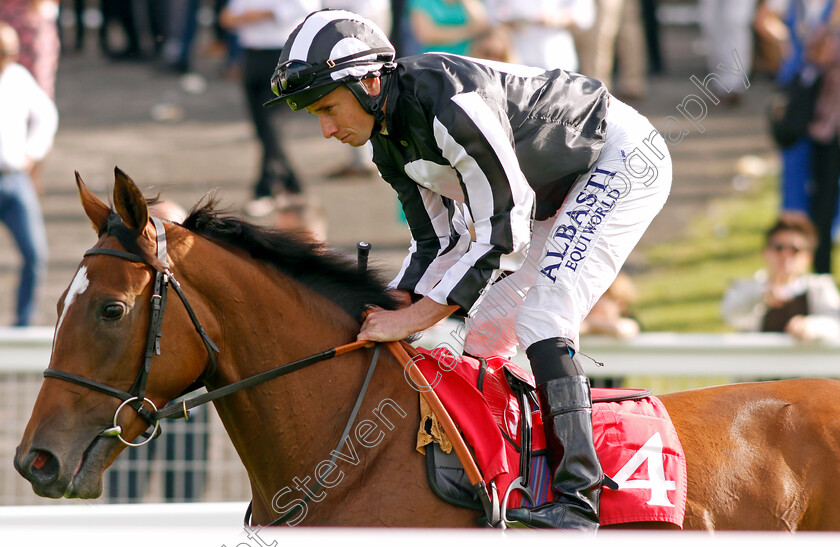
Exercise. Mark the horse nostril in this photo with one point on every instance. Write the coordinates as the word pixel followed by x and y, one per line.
pixel 40 460
pixel 44 467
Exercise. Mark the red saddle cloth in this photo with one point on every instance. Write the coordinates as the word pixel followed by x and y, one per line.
pixel 635 439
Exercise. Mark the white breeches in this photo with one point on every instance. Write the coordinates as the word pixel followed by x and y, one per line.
pixel 575 256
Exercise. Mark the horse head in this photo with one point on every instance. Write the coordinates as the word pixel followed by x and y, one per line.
pixel 266 296
pixel 91 403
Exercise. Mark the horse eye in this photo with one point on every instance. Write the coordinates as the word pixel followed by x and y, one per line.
pixel 112 312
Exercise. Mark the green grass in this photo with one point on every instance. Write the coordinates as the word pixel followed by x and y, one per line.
pixel 683 282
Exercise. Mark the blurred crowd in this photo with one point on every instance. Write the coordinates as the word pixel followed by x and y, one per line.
pixel 616 41
pixel 797 42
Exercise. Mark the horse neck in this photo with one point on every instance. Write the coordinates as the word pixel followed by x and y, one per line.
pixel 264 319
pixel 260 315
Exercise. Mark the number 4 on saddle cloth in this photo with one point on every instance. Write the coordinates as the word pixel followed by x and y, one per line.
pixel 634 437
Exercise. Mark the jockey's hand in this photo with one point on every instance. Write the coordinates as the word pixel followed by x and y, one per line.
pixel 387 326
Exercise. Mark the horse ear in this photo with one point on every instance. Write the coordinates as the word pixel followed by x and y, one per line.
pixel 129 202
pixel 95 209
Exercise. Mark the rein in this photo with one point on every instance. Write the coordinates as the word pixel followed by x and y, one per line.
pixel 181 410
pixel 135 397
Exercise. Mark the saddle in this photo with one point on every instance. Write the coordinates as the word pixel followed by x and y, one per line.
pixel 493 404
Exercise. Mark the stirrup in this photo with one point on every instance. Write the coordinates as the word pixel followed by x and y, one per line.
pixel 515 485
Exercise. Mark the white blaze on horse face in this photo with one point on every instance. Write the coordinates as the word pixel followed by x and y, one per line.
pixel 78 286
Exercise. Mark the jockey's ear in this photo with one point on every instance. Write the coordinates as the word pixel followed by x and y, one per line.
pixel 96 210
pixel 373 86
pixel 129 202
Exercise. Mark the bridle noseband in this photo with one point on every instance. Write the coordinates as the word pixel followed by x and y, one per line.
pixel 136 395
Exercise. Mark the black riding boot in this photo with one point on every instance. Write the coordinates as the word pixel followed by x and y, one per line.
pixel 566 408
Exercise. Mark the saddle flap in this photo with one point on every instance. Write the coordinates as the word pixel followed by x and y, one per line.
pixel 468 408
pixel 635 439
pixel 448 480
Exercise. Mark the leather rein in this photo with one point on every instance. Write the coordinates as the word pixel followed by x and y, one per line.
pixel 136 395
pixel 136 398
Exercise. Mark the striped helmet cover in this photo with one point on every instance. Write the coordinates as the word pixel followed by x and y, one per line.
pixel 334 34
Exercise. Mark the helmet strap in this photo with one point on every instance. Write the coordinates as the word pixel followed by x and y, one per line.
pixel 372 105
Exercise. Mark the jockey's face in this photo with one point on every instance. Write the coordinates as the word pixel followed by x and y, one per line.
pixel 341 116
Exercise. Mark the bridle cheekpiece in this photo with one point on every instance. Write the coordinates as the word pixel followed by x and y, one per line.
pixel 136 395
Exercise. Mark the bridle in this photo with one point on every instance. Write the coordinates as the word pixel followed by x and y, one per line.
pixel 136 395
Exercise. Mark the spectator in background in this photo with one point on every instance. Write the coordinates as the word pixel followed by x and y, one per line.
pixel 225 44
pixel 156 25
pixel 494 45
pixel 262 27
pixel 181 20
pixel 447 26
pixel 120 12
pixel 616 38
pixel 785 297
pixel 650 22
pixel 167 210
pixel 727 29
pixel 28 121
pixel 401 35
pixel 769 37
pixel 541 31
pixel 808 185
pixel 378 11
pixel 611 315
pixel 78 12
pixel 824 131
pixel 35 22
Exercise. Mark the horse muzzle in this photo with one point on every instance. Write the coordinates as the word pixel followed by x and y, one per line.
pixel 75 474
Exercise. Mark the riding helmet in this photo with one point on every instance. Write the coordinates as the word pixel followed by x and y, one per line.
pixel 328 49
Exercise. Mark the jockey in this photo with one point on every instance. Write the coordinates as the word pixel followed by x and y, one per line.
pixel 524 190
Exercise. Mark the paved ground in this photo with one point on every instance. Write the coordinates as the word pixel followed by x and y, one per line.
pixel 109 114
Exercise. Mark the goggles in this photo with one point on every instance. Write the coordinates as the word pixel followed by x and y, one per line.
pixel 295 75
pixel 291 76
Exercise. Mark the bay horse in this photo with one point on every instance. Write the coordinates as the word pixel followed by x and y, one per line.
pixel 760 456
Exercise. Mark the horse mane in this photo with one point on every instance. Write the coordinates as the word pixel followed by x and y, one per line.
pixel 330 272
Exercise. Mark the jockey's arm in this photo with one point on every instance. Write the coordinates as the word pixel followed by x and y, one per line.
pixel 387 326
